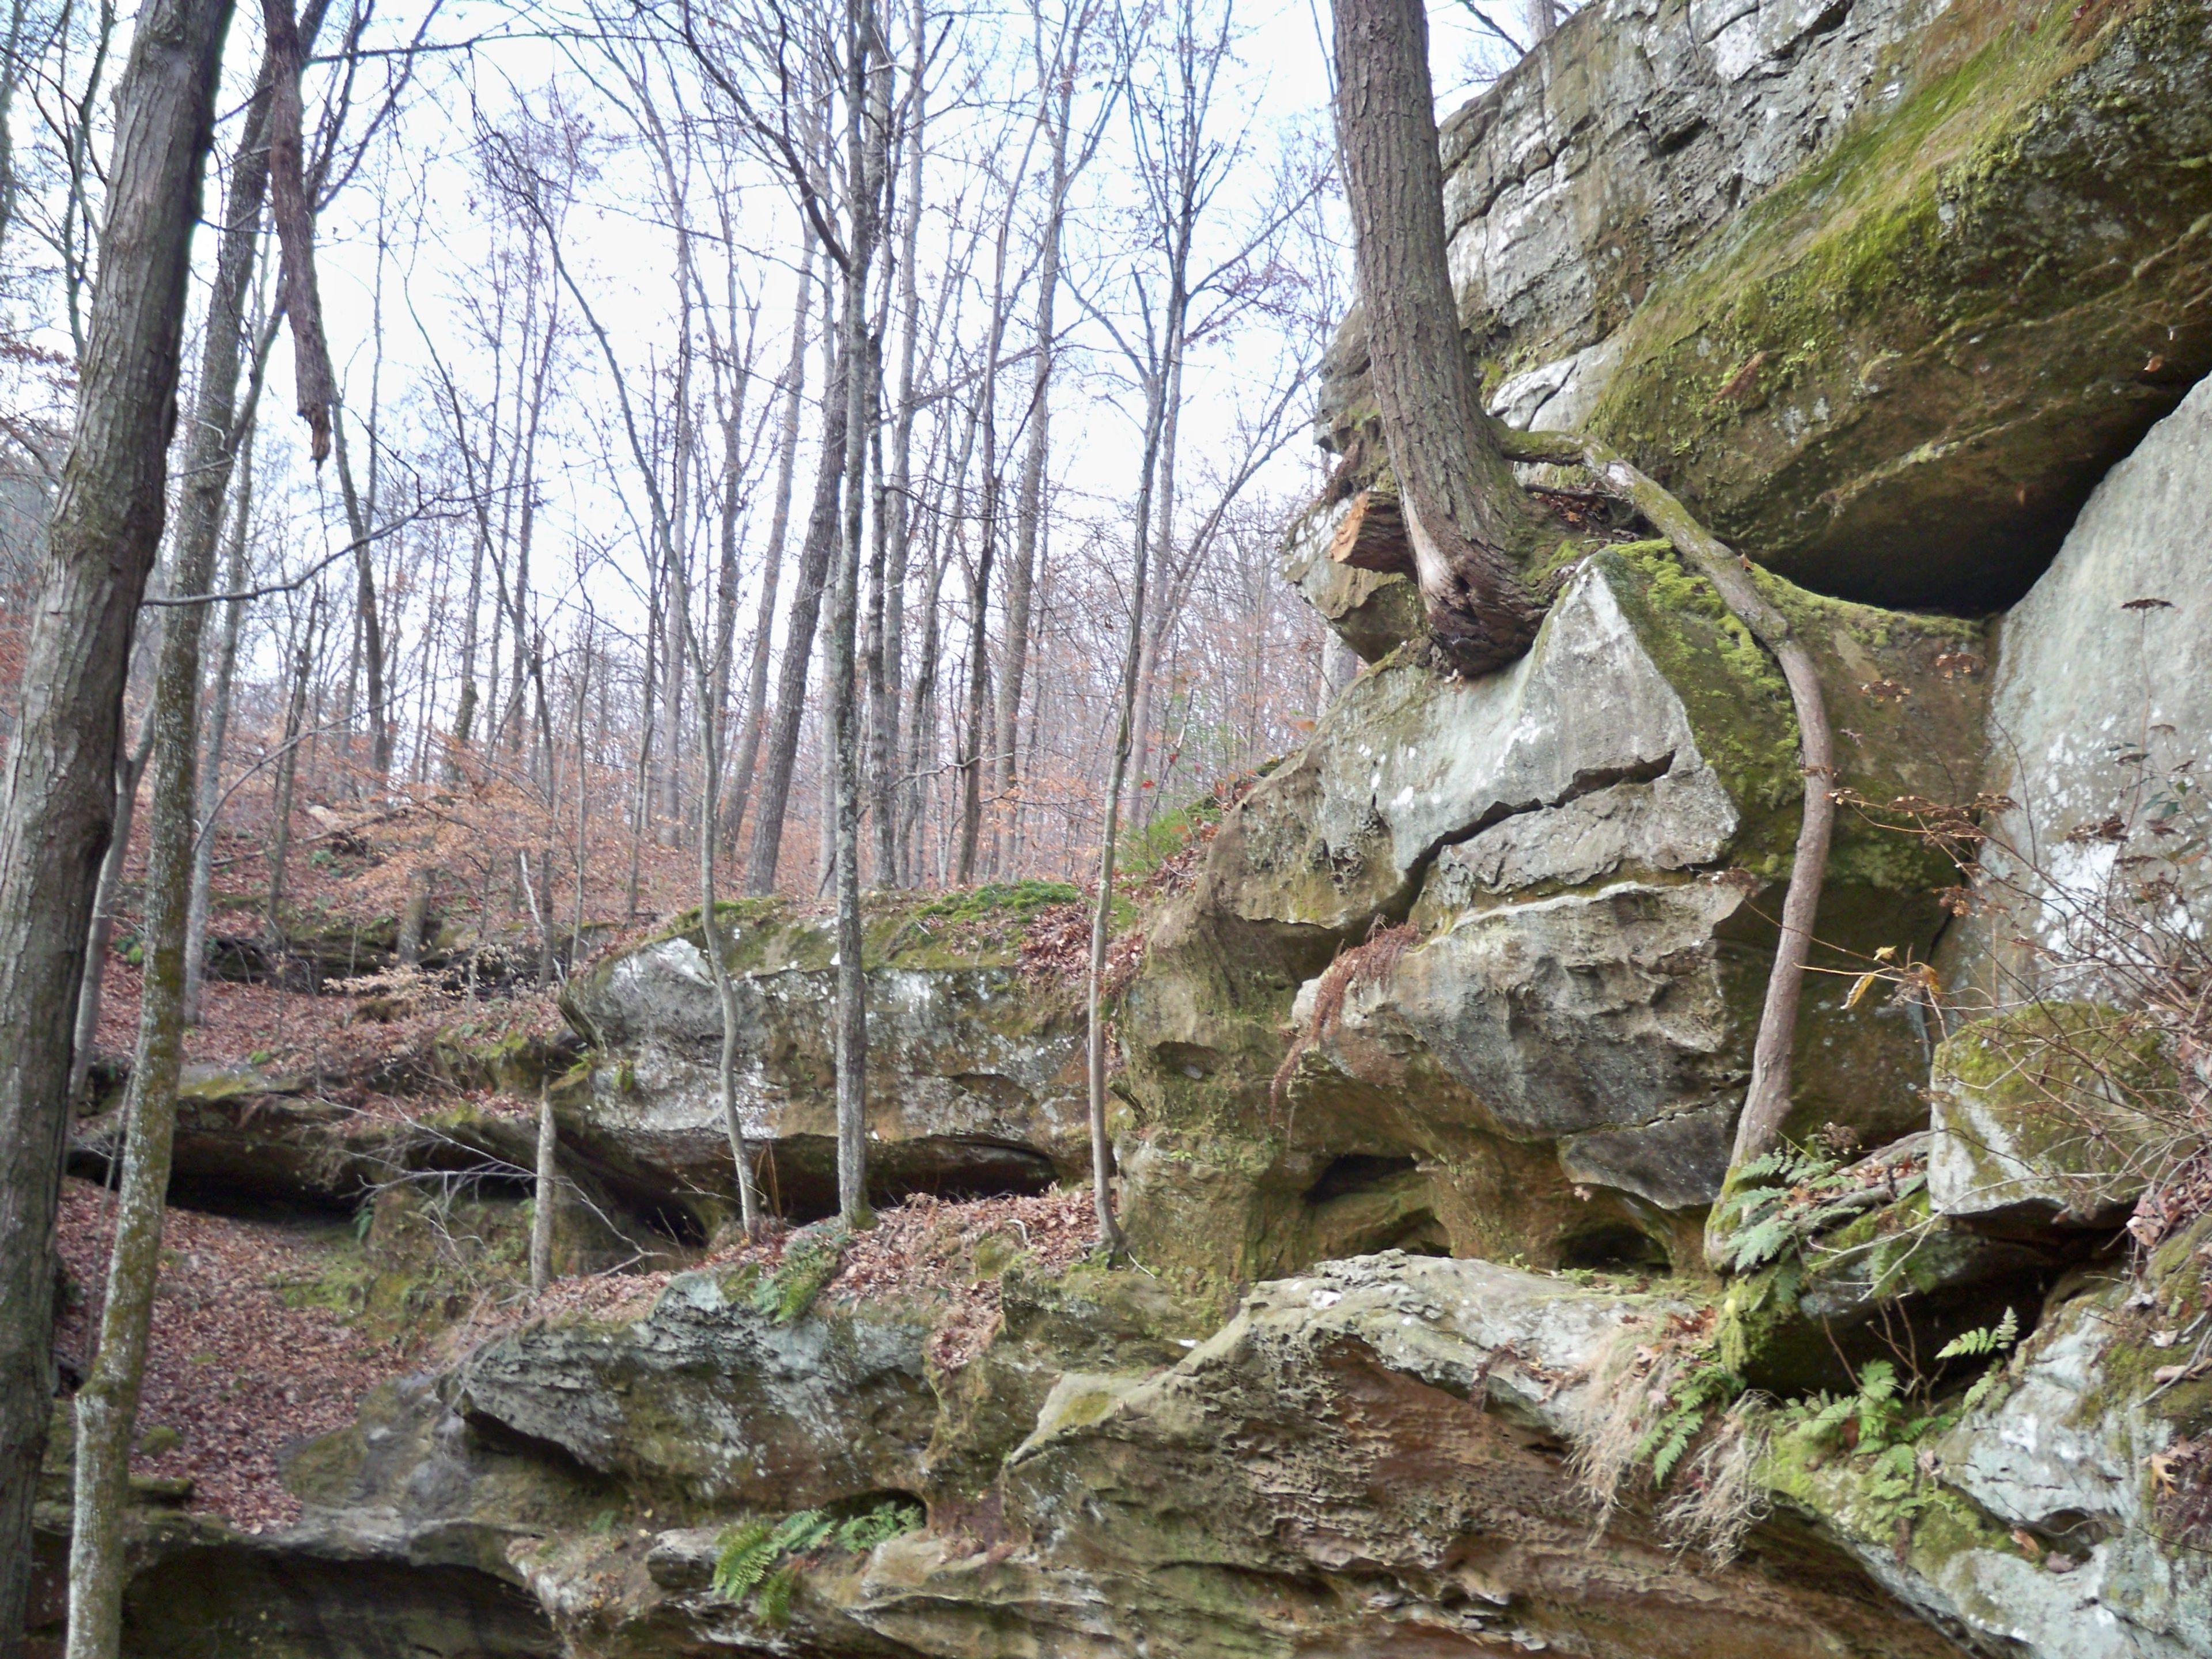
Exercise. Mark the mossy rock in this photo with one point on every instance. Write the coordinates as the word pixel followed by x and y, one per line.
pixel 2058 1112
pixel 1576 1011
pixel 1898 375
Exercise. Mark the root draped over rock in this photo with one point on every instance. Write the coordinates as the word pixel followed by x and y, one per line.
pixel 1768 1101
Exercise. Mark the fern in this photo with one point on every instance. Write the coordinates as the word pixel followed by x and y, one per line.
pixel 775 1596
pixel 811 1261
pixel 1678 1429
pixel 1760 1243
pixel 1984 1385
pixel 807 1530
pixel 1770 1163
pixel 743 1558
pixel 878 1525
pixel 1989 1340
pixel 1833 1414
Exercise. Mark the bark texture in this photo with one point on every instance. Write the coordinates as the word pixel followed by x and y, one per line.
pixel 60 791
pixel 1460 505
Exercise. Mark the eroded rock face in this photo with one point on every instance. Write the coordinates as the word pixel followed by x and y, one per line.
pixel 1373 613
pixel 1880 289
pixel 1366 1459
pixel 2103 711
pixel 713 1403
pixel 2040 1117
pixel 975 1078
pixel 1585 848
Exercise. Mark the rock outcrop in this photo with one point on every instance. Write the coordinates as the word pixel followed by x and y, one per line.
pixel 1370 1457
pixel 974 1078
pixel 2103 696
pixel 1880 289
pixel 1431 1066
pixel 1584 849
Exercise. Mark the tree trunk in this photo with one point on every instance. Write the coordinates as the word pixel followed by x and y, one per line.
pixel 235 567
pixel 867 133
pixel 1463 512
pixel 371 628
pixel 896 514
pixel 11 75
pixel 221 431
pixel 545 1196
pixel 288 769
pixel 822 527
pixel 1101 912
pixel 640 803
pixel 1148 658
pixel 107 1405
pixel 1056 108
pixel 60 798
pixel 88 997
pixel 755 713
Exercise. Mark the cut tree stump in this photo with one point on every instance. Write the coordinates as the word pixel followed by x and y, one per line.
pixel 1373 536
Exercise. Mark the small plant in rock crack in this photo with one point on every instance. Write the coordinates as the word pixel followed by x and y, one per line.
pixel 1664 1412
pixel 1887 1416
pixel 811 1261
pixel 764 1556
pixel 1785 1197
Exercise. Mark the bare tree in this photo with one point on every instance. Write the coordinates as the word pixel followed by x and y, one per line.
pixel 59 798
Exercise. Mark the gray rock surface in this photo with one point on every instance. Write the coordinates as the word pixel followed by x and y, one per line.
pixel 2100 713
pixel 1582 846
pixel 2038 1116
pixel 1407 765
pixel 975 1078
pixel 2065 1455
pixel 709 1400
pixel 1847 274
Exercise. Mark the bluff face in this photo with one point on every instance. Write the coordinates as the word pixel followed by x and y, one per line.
pixel 1880 289
pixel 1429 1073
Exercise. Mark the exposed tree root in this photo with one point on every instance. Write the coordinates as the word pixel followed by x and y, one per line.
pixel 1767 1102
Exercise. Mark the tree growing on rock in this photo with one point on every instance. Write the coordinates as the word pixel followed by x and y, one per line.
pixel 1463 512
pixel 1464 515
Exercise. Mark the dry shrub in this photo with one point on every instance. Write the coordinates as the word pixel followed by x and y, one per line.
pixel 1660 1416
pixel 2098 993
pixel 1370 963
pixel 1719 1499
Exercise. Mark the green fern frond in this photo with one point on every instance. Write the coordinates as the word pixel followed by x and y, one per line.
pixel 1992 1338
pixel 775 1596
pixel 1770 1163
pixel 887 1521
pixel 1762 1243
pixel 742 1557
pixel 1686 1427
pixel 1877 1383
pixel 802 1532
pixel 1833 1414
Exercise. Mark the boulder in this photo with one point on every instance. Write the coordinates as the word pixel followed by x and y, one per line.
pixel 1369 1457
pixel 974 1073
pixel 1881 287
pixel 1582 855
pixel 711 1404
pixel 2103 710
pixel 249 1140
pixel 2066 1519
pixel 2051 1115
pixel 1373 611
